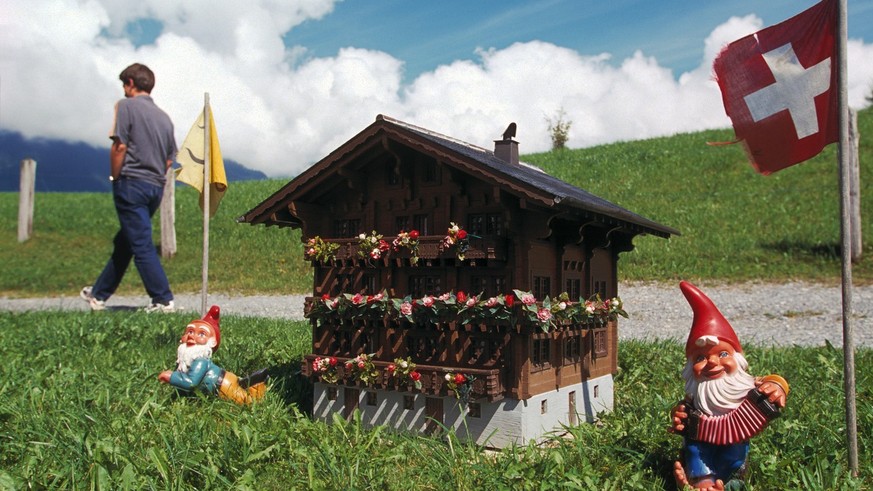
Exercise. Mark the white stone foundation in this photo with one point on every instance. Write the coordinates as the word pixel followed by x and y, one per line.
pixel 498 424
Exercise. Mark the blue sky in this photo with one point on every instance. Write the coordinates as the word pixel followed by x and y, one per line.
pixel 290 80
pixel 428 34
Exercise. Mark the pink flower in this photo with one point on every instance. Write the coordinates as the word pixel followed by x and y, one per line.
pixel 349 365
pixel 528 299
pixel 491 302
pixel 358 299
pixel 406 308
pixel 335 303
pixel 361 365
pixel 315 366
pixel 444 297
pixel 544 315
pixel 471 302
pixel 589 307
pixel 310 252
pixel 427 301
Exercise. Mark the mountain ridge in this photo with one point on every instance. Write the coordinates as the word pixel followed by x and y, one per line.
pixel 63 166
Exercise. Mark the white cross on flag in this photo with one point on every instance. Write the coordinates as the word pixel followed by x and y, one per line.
pixel 779 87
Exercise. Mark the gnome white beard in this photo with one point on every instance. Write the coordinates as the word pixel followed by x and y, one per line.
pixel 185 355
pixel 722 395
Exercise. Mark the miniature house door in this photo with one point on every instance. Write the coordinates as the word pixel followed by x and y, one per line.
pixel 350 402
pixel 433 411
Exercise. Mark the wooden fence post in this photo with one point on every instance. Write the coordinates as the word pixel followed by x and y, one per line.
pixel 855 187
pixel 25 199
pixel 168 217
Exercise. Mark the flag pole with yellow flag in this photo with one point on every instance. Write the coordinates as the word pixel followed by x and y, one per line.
pixel 201 146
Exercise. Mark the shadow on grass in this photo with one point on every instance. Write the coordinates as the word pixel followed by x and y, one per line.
pixel 292 386
pixel 805 249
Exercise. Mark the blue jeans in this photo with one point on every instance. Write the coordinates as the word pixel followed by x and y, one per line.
pixel 135 202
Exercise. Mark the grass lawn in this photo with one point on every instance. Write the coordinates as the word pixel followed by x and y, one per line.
pixel 81 408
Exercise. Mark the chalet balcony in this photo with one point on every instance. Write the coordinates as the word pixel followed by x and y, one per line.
pixel 490 248
pixel 486 383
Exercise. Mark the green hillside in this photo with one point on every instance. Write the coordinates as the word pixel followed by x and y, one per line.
pixel 736 225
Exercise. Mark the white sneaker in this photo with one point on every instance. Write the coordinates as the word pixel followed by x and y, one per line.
pixel 95 304
pixel 161 308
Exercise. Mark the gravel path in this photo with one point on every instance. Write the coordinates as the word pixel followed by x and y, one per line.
pixel 805 314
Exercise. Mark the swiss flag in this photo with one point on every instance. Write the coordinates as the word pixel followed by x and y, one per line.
pixel 779 88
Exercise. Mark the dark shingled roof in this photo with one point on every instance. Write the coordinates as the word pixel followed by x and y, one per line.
pixel 563 194
pixel 521 178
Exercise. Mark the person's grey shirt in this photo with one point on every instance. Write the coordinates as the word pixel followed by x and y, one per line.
pixel 147 131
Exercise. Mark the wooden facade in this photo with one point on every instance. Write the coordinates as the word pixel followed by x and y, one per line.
pixel 528 231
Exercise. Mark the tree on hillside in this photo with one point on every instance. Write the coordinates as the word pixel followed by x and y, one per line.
pixel 559 129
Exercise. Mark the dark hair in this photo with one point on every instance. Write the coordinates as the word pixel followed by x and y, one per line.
pixel 143 78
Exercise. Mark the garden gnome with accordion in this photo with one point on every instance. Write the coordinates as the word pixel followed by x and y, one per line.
pixel 195 368
pixel 724 405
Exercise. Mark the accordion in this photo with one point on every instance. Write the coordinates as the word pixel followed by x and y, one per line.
pixel 739 425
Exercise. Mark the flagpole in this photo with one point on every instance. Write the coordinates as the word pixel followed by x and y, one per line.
pixel 846 246
pixel 207 164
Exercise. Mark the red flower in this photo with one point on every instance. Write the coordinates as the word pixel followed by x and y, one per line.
pixel 462 234
pixel 325 296
pixel 509 300
pixel 460 378
pixel 383 246
pixel 414 376
pixel 462 297
pixel 390 368
pixel 413 234
pixel 333 361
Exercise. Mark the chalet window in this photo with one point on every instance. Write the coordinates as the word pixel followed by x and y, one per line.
pixel 542 286
pixel 420 286
pixel 572 350
pixel 408 402
pixel 598 340
pixel 574 288
pixel 371 398
pixel 392 176
pixel 420 223
pixel 429 172
pixel 489 285
pixel 541 353
pixel 599 287
pixel 415 222
pixel 401 223
pixel 485 224
pixel 347 228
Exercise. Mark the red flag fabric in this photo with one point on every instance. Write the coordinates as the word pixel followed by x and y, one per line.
pixel 779 87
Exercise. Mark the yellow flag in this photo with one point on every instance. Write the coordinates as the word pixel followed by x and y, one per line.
pixel 191 157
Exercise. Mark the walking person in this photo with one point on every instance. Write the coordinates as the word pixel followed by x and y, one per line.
pixel 143 149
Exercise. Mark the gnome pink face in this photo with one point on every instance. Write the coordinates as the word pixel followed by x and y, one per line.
pixel 198 333
pixel 712 361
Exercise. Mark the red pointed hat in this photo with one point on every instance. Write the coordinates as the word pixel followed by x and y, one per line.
pixel 212 318
pixel 708 321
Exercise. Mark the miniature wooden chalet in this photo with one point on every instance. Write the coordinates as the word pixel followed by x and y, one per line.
pixel 525 232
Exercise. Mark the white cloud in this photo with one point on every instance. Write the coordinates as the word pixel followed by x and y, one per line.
pixel 278 110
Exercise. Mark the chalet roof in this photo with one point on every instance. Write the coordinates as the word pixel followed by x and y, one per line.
pixel 518 178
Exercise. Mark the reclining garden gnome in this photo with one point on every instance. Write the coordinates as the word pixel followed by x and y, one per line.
pixel 195 368
pixel 724 405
